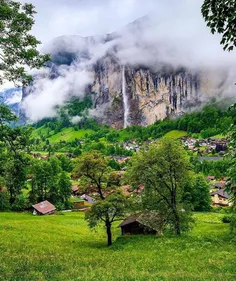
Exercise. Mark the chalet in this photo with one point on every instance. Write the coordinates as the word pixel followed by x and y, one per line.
pixel 220 198
pixel 74 189
pixel 43 208
pixel 142 223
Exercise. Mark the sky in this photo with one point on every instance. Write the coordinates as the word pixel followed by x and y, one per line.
pixel 85 17
pixel 94 17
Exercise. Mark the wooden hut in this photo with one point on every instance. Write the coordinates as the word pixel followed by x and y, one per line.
pixel 44 208
pixel 78 204
pixel 142 223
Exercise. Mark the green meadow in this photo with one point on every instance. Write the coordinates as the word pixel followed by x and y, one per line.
pixel 62 248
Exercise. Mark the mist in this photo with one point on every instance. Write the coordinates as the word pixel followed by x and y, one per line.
pixel 173 33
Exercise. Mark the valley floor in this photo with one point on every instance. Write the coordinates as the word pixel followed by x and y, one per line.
pixel 62 248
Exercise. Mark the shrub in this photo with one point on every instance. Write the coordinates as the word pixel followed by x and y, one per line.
pixel 21 203
pixel 226 219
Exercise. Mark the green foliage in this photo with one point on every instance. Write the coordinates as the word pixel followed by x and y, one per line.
pixel 165 167
pixel 226 219
pixel 94 166
pixel 220 16
pixel 18 46
pixel 113 207
pixel 21 203
pixel 4 200
pixel 65 163
pixel 197 194
pixel 49 182
pixel 219 168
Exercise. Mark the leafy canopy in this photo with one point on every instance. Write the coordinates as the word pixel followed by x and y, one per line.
pixel 220 16
pixel 18 48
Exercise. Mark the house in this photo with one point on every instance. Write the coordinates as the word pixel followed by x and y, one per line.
pixel 210 178
pixel 142 223
pixel 78 204
pixel 44 208
pixel 74 189
pixel 219 185
pixel 220 198
pixel 87 198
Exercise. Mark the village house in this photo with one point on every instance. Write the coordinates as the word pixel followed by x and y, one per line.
pixel 44 208
pixel 74 190
pixel 88 198
pixel 220 198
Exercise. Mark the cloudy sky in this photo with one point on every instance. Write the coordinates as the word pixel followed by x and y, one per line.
pixel 175 35
pixel 92 17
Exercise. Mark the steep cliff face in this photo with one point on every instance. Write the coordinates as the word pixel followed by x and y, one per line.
pixel 151 95
pixel 129 82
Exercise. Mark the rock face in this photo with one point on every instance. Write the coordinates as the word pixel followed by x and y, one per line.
pixel 127 93
pixel 151 95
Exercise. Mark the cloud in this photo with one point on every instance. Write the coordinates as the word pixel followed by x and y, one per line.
pixel 47 94
pixel 174 34
pixel 76 119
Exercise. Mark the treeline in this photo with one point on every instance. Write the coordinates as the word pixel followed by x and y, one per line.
pixel 208 122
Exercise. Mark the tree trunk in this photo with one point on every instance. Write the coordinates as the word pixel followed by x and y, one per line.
pixel 109 235
pixel 175 213
pixel 177 222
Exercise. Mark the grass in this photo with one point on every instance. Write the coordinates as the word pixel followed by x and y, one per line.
pixel 176 134
pixel 69 134
pixel 66 134
pixel 61 247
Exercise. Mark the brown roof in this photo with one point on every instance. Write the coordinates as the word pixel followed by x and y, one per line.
pixel 211 177
pixel 147 218
pixel 44 207
pixel 130 219
pixel 221 193
pixel 75 188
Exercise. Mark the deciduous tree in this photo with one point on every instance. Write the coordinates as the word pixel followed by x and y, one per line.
pixel 163 169
pixel 18 47
pixel 220 16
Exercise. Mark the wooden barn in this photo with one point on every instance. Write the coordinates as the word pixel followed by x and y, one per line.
pixel 142 223
pixel 78 204
pixel 44 208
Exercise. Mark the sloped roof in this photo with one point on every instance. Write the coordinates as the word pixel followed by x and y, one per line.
pixel 146 218
pixel 221 193
pixel 44 207
pixel 219 185
pixel 75 188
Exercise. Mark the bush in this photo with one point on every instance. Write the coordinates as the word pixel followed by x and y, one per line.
pixel 4 201
pixel 226 219
pixel 21 203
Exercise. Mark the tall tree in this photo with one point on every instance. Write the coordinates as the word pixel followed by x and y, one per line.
pixel 220 16
pixel 112 208
pixel 18 48
pixel 94 167
pixel 163 169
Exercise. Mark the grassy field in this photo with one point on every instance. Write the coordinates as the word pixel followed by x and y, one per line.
pixel 62 248
pixel 176 134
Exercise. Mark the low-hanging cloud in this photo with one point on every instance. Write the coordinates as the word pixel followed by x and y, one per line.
pixel 174 33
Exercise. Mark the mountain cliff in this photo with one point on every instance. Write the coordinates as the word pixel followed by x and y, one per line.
pixel 129 82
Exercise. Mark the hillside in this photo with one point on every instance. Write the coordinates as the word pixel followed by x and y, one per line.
pixel 62 135
pixel 61 247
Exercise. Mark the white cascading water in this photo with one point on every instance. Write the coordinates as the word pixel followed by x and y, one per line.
pixel 125 99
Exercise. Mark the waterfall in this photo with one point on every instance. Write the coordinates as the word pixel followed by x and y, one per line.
pixel 125 99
